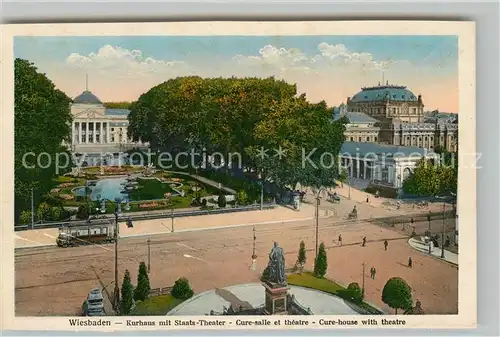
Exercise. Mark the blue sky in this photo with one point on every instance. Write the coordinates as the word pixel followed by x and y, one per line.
pixel 433 58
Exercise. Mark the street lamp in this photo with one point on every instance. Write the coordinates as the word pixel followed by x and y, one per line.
pixel 149 254
pixel 317 218
pixel 442 232
pixel 363 282
pixel 261 181
pixel 116 294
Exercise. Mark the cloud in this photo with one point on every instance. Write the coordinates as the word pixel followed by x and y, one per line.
pixel 331 73
pixel 109 58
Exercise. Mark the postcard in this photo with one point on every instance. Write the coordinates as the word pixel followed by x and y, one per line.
pixel 236 175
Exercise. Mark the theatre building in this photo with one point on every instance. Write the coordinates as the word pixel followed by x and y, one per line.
pixel 386 165
pixel 97 129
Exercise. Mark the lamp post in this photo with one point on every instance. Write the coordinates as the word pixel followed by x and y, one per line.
pixel 32 209
pixel 149 254
pixel 254 255
pixel 363 281
pixel 317 219
pixel 442 232
pixel 261 192
pixel 116 294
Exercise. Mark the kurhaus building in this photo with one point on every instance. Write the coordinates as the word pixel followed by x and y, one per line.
pixel 97 129
pixel 400 118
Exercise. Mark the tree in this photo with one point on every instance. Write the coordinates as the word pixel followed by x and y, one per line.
pixel 354 292
pixel 321 264
pixel 430 178
pixel 242 197
pixel 43 211
pixel 343 176
pixel 182 290
pixel 83 212
pixel 143 286
pixel 25 217
pixel 127 295
pixel 301 258
pixel 56 213
pixel 117 105
pixel 397 294
pixel 42 121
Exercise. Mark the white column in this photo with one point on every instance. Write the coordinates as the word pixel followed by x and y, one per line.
pixel 79 132
pixel 73 133
pixel 357 168
pixel 364 169
pixel 101 135
pixel 87 137
pixel 93 131
pixel 351 164
pixel 108 136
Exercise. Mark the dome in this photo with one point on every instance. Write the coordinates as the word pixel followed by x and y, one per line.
pixel 381 93
pixel 87 97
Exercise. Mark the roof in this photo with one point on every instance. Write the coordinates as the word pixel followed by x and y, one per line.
pixel 381 93
pixel 356 117
pixel 87 97
pixel 363 149
pixel 116 112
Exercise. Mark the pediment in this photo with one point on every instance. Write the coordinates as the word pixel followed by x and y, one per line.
pixel 90 114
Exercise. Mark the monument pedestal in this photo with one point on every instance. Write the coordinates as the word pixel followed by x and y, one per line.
pixel 276 297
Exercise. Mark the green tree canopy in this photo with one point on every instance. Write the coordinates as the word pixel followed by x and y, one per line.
pixel 397 294
pixel 42 120
pixel 243 115
pixel 321 264
pixel 143 286
pixel 431 178
pixel 182 290
pixel 127 295
pixel 301 258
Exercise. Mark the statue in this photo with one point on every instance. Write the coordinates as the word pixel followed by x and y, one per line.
pixel 276 266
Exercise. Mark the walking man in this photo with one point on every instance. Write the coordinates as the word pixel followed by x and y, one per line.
pixel 364 242
pixel 374 271
pixel 385 244
pixel 410 262
pixel 340 239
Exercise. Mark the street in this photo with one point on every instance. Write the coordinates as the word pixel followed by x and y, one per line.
pixel 55 281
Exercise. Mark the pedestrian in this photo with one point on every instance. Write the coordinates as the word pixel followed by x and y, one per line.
pixel 364 242
pixel 374 271
pixel 371 272
pixel 385 244
pixel 367 199
pixel 340 239
pixel 410 262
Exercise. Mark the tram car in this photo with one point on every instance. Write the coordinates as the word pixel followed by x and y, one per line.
pixel 85 234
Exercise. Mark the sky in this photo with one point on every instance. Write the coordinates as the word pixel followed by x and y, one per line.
pixel 330 68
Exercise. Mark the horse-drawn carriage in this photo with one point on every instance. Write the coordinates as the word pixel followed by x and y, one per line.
pixel 353 215
pixel 334 197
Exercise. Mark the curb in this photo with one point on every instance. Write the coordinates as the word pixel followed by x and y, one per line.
pixel 184 231
pixel 432 255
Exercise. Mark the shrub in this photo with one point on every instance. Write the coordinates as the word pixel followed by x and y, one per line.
pixel 354 292
pixel 25 217
pixel 43 211
pixel 127 292
pixel 397 294
pixel 242 197
pixel 143 286
pixel 221 201
pixel 301 258
pixel 83 212
pixel 182 290
pixel 321 264
pixel 204 203
pixel 56 213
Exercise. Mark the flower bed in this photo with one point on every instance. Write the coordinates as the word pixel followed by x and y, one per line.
pixel 149 205
pixel 65 185
pixel 66 196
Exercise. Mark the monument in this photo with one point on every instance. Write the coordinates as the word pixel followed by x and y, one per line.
pixel 275 283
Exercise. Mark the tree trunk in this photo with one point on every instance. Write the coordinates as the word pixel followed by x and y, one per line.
pixel 396 311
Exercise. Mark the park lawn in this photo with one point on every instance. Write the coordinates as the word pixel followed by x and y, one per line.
pixel 156 305
pixel 308 280
pixel 150 189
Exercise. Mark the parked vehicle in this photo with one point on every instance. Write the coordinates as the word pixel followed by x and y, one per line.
pixel 85 234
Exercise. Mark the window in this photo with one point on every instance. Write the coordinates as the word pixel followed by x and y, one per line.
pixel 359 139
pixel 352 139
pixel 112 129
pixel 375 138
pixel 425 138
pixel 112 139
